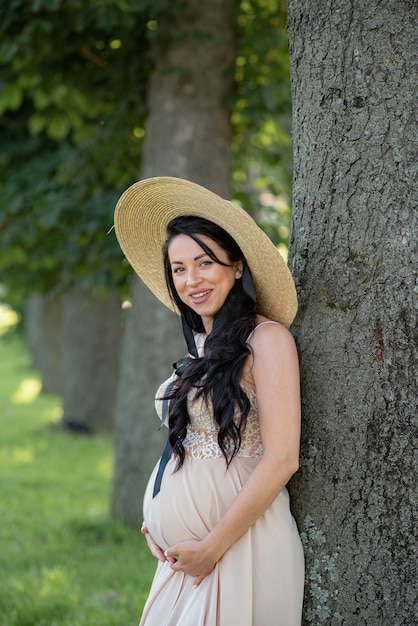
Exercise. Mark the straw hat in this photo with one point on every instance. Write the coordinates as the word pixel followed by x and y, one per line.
pixel 141 217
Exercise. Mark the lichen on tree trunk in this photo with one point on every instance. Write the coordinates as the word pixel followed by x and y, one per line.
pixel 354 254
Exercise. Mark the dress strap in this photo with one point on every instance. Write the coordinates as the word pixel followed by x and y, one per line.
pixel 258 326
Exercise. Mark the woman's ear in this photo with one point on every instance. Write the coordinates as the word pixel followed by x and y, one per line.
pixel 238 269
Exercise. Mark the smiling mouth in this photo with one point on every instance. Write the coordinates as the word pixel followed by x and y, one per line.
pixel 198 296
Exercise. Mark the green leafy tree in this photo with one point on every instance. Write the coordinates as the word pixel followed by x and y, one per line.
pixel 72 106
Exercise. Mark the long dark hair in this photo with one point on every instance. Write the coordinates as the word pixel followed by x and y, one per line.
pixel 217 374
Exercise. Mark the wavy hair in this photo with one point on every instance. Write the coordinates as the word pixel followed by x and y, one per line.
pixel 217 374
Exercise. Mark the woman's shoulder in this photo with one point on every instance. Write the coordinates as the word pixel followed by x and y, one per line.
pixel 268 334
pixel 270 343
pixel 266 327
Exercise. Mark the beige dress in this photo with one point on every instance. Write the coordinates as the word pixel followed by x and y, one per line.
pixel 259 580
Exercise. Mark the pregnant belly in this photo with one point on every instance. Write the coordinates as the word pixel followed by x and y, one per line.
pixel 192 500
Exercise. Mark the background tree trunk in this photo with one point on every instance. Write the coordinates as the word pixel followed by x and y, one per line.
pixel 354 254
pixel 188 134
pixel 92 335
pixel 43 331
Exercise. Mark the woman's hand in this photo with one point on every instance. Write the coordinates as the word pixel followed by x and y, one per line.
pixel 188 557
pixel 153 546
pixel 192 558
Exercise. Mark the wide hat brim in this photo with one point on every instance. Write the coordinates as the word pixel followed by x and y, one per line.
pixel 141 217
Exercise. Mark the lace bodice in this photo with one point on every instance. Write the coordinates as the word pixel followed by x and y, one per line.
pixel 201 441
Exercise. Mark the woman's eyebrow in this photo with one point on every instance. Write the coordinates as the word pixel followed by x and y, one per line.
pixel 199 256
pixel 196 258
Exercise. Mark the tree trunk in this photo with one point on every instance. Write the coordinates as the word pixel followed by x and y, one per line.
pixel 34 328
pixel 353 253
pixel 43 330
pixel 188 134
pixel 92 333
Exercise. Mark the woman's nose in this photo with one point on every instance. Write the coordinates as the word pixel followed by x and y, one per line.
pixel 193 277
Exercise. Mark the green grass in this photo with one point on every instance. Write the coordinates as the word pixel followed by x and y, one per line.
pixel 63 560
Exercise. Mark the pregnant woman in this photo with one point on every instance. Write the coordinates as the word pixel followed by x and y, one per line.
pixel 216 509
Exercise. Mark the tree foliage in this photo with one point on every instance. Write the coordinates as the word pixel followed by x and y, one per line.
pixel 262 176
pixel 72 107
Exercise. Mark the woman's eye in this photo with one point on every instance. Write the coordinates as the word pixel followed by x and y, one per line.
pixel 177 270
pixel 204 263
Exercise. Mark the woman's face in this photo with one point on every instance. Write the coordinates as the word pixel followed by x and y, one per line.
pixel 201 283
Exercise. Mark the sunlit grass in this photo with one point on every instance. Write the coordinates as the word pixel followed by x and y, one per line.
pixel 63 560
pixel 28 390
pixel 8 319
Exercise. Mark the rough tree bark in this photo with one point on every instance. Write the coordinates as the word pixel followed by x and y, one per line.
pixel 91 347
pixel 188 134
pixel 354 256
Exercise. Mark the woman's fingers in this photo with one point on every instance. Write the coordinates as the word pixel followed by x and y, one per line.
pixel 152 545
pixel 170 559
pixel 154 548
pixel 176 566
